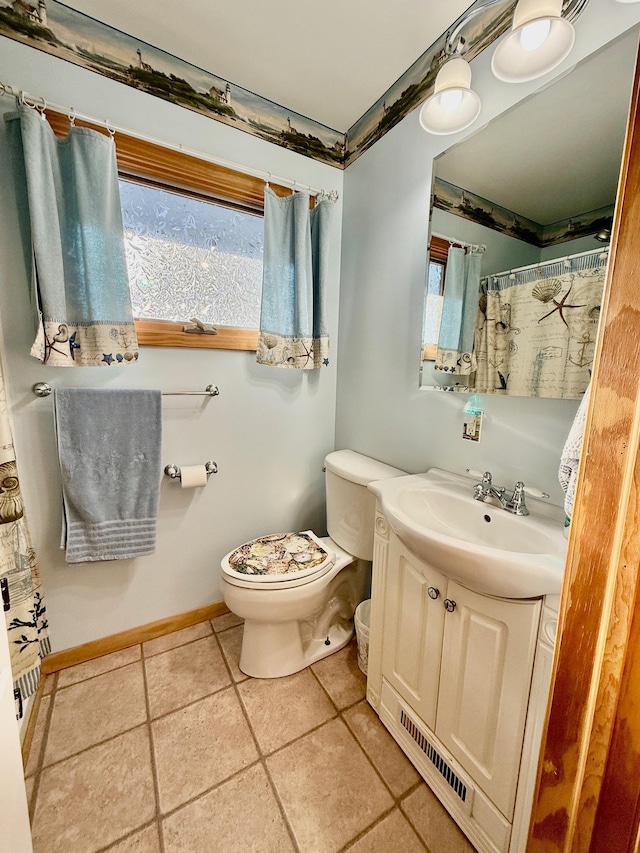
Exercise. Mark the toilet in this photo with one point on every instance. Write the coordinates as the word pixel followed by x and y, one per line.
pixel 297 592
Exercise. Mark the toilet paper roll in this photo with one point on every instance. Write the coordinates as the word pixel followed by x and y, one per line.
pixel 193 476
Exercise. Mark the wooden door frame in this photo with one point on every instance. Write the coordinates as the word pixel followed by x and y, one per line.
pixel 588 790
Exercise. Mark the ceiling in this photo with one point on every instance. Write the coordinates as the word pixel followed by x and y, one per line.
pixel 328 61
pixel 568 137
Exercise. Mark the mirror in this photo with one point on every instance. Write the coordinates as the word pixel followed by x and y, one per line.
pixel 532 189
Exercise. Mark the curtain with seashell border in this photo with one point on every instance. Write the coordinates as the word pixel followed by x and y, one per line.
pixel 22 595
pixel 295 276
pixel 455 354
pixel 536 331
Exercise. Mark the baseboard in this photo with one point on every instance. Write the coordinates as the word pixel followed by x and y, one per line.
pixel 115 642
pixel 30 725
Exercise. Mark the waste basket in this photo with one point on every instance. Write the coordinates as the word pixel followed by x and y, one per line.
pixel 362 621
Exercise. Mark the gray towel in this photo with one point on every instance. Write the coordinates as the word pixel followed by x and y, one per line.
pixel 109 451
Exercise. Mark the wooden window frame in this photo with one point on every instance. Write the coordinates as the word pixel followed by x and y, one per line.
pixel 439 248
pixel 150 163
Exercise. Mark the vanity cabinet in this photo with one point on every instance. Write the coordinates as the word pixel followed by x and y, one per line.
pixel 487 663
pixel 413 627
pixel 450 674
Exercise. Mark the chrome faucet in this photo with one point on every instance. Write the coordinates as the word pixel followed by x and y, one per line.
pixel 511 501
pixel 486 489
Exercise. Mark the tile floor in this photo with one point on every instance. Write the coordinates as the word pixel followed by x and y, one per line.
pixel 167 747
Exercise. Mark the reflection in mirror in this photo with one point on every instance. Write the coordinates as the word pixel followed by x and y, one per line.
pixel 436 268
pixel 520 221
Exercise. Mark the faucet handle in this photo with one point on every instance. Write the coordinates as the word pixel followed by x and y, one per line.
pixel 533 493
pixel 484 475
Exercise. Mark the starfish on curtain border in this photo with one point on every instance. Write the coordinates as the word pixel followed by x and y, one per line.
pixel 50 345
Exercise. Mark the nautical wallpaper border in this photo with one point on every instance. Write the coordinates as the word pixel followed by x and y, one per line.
pixel 416 84
pixel 55 28
pixel 468 205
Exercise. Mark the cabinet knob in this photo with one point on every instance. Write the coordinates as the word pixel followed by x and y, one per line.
pixel 433 592
pixel 449 605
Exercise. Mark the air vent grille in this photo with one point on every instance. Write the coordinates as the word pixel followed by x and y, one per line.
pixel 434 756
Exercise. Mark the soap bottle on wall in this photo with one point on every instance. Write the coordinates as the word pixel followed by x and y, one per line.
pixel 472 420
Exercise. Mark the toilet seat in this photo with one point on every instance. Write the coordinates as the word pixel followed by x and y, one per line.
pixel 278 561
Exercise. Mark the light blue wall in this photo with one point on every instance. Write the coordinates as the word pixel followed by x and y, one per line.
pixel 560 250
pixel 269 430
pixel 502 253
pixel 381 409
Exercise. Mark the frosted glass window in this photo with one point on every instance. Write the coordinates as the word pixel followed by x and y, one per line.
pixel 191 258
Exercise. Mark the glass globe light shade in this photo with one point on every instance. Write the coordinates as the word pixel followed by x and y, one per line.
pixel 453 106
pixel 540 39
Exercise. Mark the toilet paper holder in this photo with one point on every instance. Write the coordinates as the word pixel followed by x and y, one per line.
pixel 173 471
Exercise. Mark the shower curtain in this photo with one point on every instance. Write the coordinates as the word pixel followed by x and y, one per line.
pixel 536 329
pixel 22 595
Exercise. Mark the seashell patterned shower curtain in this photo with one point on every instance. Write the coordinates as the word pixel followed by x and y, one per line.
pixel 22 596
pixel 536 330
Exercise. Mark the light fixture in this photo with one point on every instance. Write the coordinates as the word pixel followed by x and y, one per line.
pixel 627 1
pixel 539 40
pixel 453 105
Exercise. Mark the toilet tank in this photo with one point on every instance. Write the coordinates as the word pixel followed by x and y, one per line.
pixel 350 505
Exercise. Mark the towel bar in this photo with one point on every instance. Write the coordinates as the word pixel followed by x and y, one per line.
pixel 174 472
pixel 43 389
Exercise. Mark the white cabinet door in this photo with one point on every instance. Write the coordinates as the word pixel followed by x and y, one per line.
pixel 487 661
pixel 413 626
pixel 15 835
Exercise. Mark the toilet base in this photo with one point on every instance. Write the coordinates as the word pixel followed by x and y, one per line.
pixel 286 628
pixel 276 649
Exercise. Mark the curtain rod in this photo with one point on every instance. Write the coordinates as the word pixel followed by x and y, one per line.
pixel 42 104
pixel 602 252
pixel 461 243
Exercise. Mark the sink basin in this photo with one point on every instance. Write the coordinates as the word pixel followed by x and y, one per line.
pixel 479 544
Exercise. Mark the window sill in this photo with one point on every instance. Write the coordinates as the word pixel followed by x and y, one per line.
pixel 165 333
pixel 429 352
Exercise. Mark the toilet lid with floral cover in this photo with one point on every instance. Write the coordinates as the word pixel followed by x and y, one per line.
pixel 279 557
